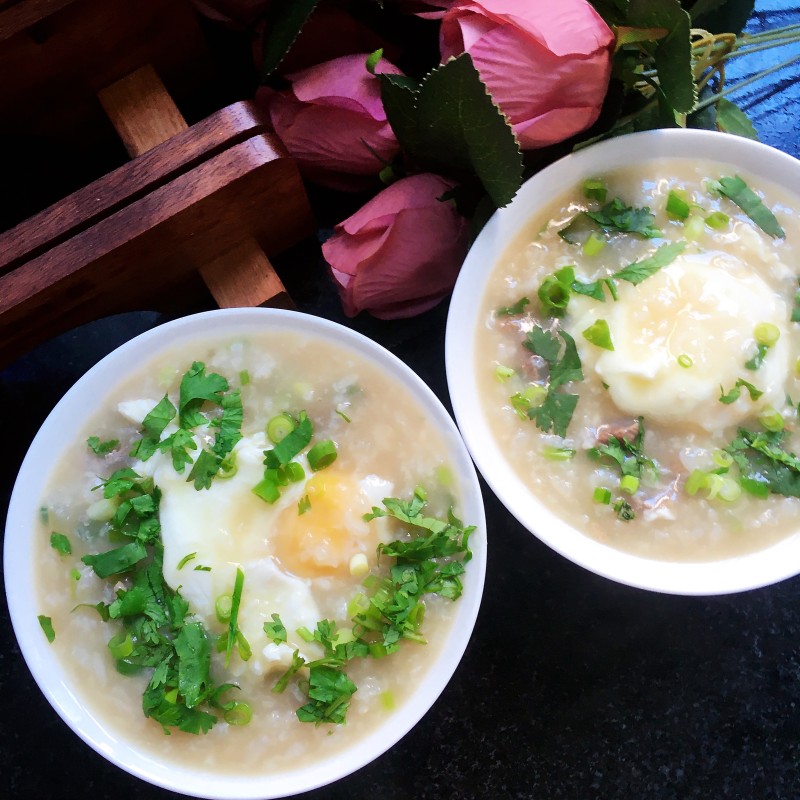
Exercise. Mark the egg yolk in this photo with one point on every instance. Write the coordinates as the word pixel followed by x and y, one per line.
pixel 323 539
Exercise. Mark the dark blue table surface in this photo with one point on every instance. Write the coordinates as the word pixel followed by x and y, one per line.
pixel 572 687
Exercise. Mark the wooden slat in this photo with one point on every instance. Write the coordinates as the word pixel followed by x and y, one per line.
pixel 141 110
pixel 16 17
pixel 129 182
pixel 140 256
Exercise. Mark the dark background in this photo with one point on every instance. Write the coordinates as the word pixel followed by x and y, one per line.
pixel 572 687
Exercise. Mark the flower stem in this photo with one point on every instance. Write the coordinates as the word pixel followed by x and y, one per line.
pixel 741 84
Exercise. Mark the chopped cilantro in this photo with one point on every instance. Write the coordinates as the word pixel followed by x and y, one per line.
pixel 275 630
pixel 60 543
pixel 196 388
pixel 638 271
pixel 624 510
pixel 513 310
pixel 742 195
pixel 616 216
pixel 555 413
pixel 100 448
pixel 758 359
pixel 733 395
pixel 627 455
pixel 765 466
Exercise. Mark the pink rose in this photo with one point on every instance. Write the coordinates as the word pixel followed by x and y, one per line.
pixel 332 121
pixel 400 254
pixel 546 63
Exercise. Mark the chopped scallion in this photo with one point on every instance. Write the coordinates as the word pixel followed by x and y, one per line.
pixel 595 189
pixel 222 607
pixel 279 427
pixel 47 627
pixel 238 714
pixel 121 645
pixel 503 373
pixel 629 484
pixel 594 244
pixel 718 221
pixel 766 333
pixel 602 495
pixel 552 453
pixel 770 419
pixel 694 227
pixel 685 360
pixel 322 455
pixel 677 207
pixel 598 334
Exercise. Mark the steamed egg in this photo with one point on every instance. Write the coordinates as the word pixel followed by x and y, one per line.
pixel 684 335
pixel 282 552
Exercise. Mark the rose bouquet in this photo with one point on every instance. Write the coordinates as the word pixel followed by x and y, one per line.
pixel 441 108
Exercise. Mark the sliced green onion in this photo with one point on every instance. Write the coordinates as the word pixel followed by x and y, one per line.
pixel 267 490
pixel 279 427
pixel 602 495
pixel 718 221
pixel 677 207
pixel 685 361
pixel 595 189
pixel 322 455
pixel 770 419
pixel 730 490
pixel 714 484
pixel 238 714
pixel 303 505
pixel 387 701
pixel 694 227
pixel 305 634
pixel 243 646
pixel 722 458
pixel 629 484
pixel 698 479
pixel 503 373
pixel 44 514
pixel 797 368
pixel 222 607
pixel 555 291
pixel 552 453
pixel 244 377
pixel 294 471
pixel 594 244
pixel 121 645
pixel 766 333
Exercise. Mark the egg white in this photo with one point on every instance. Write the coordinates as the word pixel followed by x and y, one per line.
pixel 704 306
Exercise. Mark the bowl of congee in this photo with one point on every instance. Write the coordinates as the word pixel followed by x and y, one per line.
pixel 623 357
pixel 245 553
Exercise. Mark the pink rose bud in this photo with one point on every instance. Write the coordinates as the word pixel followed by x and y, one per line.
pixel 400 254
pixel 546 63
pixel 332 121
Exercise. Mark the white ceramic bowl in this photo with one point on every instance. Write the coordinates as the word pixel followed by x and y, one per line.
pixel 731 575
pixel 20 557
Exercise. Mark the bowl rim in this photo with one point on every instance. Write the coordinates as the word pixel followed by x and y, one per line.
pixel 19 552
pixel 769 565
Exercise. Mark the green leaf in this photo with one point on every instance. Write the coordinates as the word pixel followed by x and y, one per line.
pixel 514 309
pixel 115 561
pixel 638 271
pixel 673 54
pixel 284 21
pixel 373 59
pixel 555 413
pixel 739 192
pixel 60 543
pixel 275 630
pixel 621 218
pixel 194 654
pixel 47 627
pixel 451 122
pixel 204 469
pixel 731 119
pixel 196 388
pixel 726 398
pixel 721 16
pixel 101 448
pixel 598 334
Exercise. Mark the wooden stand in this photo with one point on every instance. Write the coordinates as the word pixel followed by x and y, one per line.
pixel 195 203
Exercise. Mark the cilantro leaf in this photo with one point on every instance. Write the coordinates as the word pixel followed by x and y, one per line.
pixel 194 662
pixel 204 469
pixel 616 216
pixel 758 359
pixel 628 455
pixel 638 271
pixel 555 413
pixel 120 559
pixel 329 692
pixel 60 543
pixel 764 465
pixel 101 448
pixel 599 334
pixel 275 630
pixel 178 445
pixel 196 388
pixel 733 395
pixel 514 309
pixel 292 444
pixel 742 195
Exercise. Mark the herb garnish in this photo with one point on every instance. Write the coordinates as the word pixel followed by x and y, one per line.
pixel 765 466
pixel 555 413
pixel 60 543
pixel 627 454
pixel 392 611
pixel 100 448
pixel 47 627
pixel 514 309
pixel 739 192
pixel 614 216
pixel 733 395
